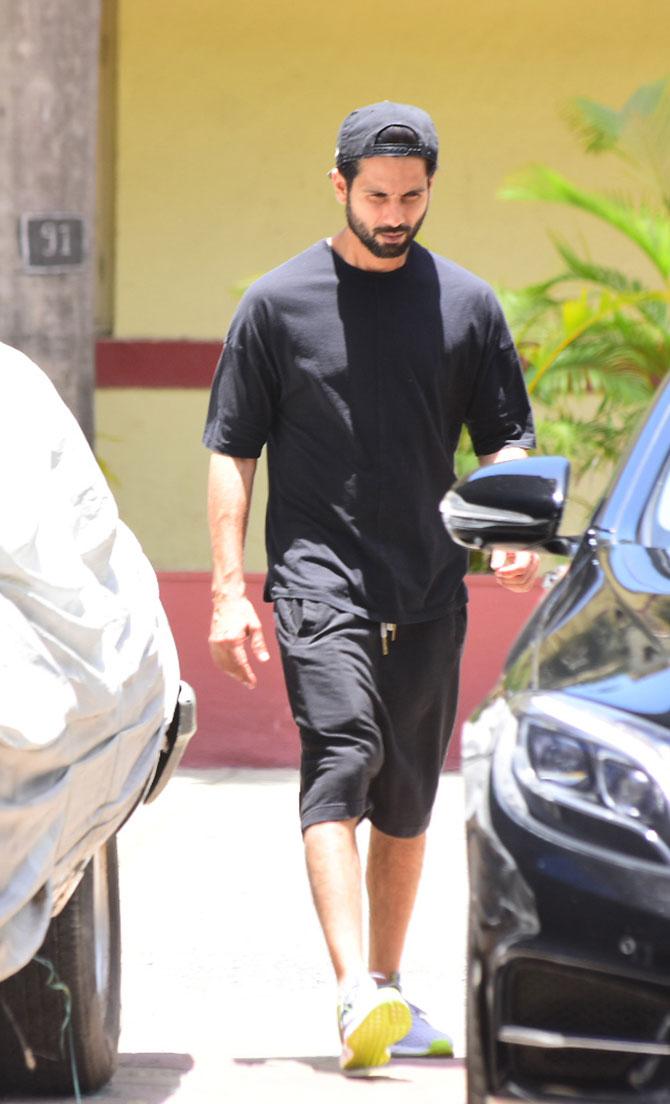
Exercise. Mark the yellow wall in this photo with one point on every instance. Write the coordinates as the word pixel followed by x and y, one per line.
pixel 149 441
pixel 228 114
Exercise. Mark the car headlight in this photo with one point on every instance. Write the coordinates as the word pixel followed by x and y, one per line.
pixel 579 764
pixel 630 790
pixel 559 759
pixel 619 783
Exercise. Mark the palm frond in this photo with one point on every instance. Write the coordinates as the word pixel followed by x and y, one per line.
pixel 650 230
pixel 597 369
pixel 639 133
pixel 598 127
pixel 620 355
pixel 614 390
pixel 595 340
pixel 601 128
pixel 646 100
pixel 582 269
pixel 525 307
pixel 593 444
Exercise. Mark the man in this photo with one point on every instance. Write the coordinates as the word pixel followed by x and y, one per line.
pixel 358 362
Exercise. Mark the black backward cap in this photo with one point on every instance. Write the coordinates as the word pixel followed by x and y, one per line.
pixel 362 133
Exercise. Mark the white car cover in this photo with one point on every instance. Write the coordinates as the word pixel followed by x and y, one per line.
pixel 88 668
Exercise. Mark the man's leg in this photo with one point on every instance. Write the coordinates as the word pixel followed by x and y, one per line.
pixel 418 681
pixel 418 685
pixel 393 873
pixel 394 870
pixel 370 1019
pixel 334 871
pixel 330 659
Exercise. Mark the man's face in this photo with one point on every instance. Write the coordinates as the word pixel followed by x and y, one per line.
pixel 387 203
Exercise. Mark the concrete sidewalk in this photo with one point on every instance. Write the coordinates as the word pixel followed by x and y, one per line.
pixel 227 987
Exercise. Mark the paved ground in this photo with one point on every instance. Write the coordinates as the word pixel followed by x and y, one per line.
pixel 227 988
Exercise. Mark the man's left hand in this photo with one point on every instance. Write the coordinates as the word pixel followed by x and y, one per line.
pixel 515 570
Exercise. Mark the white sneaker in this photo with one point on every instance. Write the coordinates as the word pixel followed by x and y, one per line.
pixel 370 1021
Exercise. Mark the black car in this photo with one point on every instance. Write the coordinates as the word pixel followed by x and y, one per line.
pixel 567 770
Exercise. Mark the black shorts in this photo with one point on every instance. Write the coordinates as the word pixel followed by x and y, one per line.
pixel 374 727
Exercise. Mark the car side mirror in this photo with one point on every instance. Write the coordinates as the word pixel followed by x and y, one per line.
pixel 513 504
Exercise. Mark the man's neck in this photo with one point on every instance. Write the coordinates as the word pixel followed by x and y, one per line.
pixel 351 249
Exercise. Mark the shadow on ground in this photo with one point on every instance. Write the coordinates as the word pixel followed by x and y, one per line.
pixel 329 1064
pixel 145 1078
pixel 151 1078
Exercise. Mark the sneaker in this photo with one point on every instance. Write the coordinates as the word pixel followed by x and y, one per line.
pixel 371 1019
pixel 422 1040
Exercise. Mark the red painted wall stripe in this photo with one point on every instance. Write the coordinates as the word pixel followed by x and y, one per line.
pixel 155 363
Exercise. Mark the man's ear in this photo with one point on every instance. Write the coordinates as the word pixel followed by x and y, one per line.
pixel 340 186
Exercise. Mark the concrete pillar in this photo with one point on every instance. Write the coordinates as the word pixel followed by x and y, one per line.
pixel 48 123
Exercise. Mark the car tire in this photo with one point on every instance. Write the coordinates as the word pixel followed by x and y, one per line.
pixel 83 944
pixel 474 1051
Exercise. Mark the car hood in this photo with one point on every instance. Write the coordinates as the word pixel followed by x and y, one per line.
pixel 607 637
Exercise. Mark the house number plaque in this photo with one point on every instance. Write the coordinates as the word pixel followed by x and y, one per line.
pixel 51 243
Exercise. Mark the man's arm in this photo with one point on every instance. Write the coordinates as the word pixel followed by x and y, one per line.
pixel 234 619
pixel 516 570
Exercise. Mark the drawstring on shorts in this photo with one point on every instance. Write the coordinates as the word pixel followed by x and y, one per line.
pixel 387 628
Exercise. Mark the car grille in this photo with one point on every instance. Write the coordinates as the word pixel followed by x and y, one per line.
pixel 576 1002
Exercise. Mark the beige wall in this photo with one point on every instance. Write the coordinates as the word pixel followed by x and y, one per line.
pixel 228 113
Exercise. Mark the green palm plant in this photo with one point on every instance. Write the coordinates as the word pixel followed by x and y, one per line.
pixel 593 330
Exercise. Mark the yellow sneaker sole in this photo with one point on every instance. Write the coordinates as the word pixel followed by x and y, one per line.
pixel 367 1046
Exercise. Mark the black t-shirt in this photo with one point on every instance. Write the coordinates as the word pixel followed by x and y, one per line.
pixel 360 382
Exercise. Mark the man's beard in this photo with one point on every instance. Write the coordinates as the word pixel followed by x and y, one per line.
pixel 370 240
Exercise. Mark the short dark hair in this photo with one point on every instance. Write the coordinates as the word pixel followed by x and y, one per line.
pixel 390 135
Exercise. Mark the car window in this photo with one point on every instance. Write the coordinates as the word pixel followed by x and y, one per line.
pixel 655 524
pixel 663 511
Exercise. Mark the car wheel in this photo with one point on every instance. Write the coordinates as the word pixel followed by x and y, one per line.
pixel 476 1070
pixel 82 951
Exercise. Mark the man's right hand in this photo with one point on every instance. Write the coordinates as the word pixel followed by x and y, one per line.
pixel 235 624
